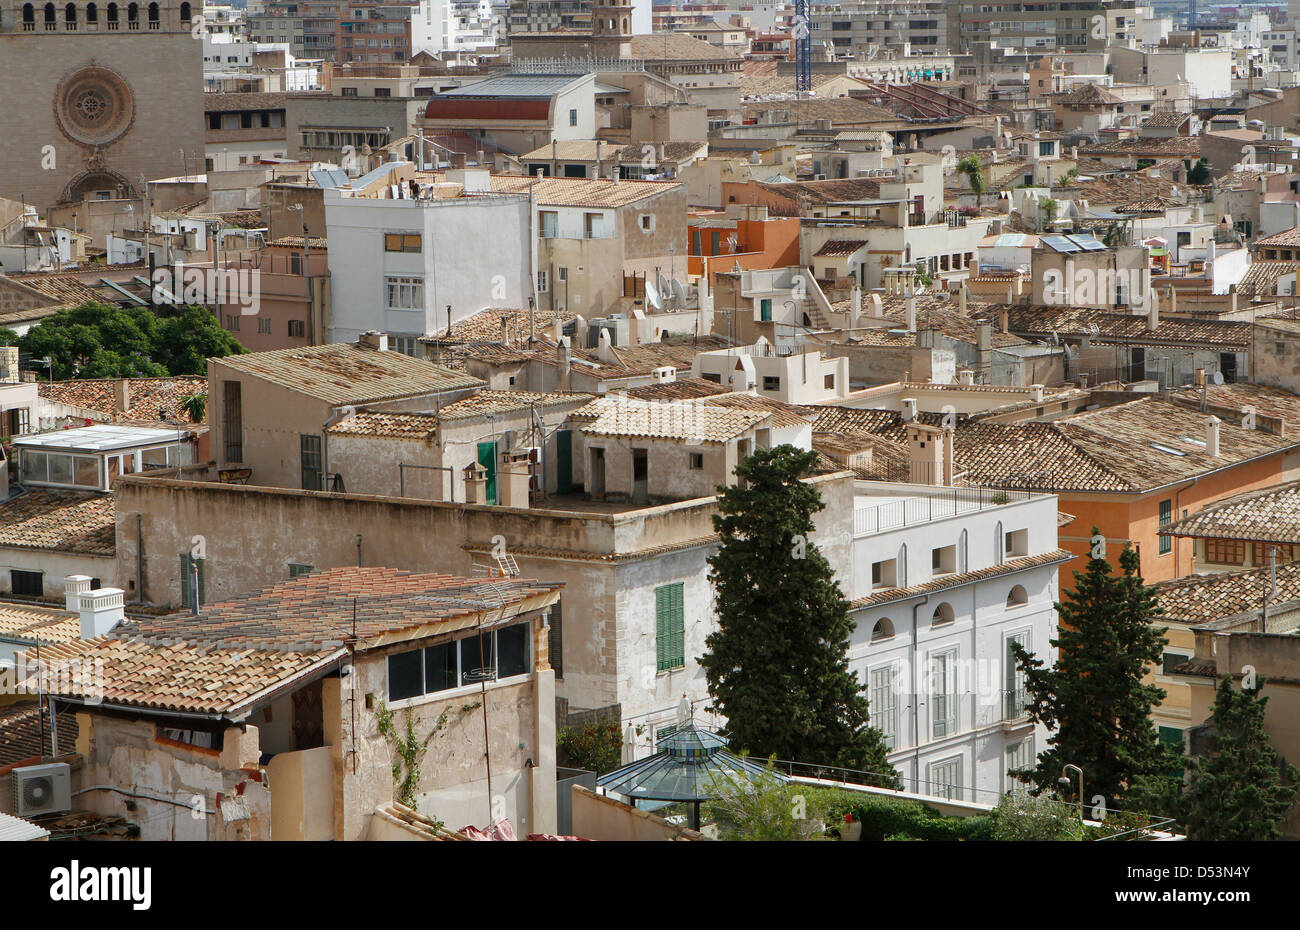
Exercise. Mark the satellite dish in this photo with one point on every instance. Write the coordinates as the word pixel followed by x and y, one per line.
pixel 1217 377
pixel 652 295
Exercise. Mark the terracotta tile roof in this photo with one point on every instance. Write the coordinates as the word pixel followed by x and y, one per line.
pixel 1289 238
pixel 674 46
pixel 485 326
pixel 1127 189
pixel 783 414
pixel 38 624
pixel 1269 401
pixel 1043 320
pixel 933 311
pixel 1166 119
pixel 67 521
pixel 1260 279
pixel 228 658
pixel 1270 515
pixel 1086 95
pixel 67 289
pixel 148 396
pixel 889 595
pixel 387 426
pixel 841 111
pixel 489 401
pixel 1140 147
pixel 680 389
pixel 1201 599
pixel 1120 448
pixel 347 374
pixel 692 422
pixel 840 247
pixel 761 79
pixel 816 193
pixel 21 725
pixel 581 192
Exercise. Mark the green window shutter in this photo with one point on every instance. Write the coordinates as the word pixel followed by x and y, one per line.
pixel 555 639
pixel 185 579
pixel 670 627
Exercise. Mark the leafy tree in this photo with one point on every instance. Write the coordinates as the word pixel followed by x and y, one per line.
pixel 1094 698
pixel 99 340
pixel 186 341
pixel 970 166
pixel 1241 789
pixel 8 337
pixel 1048 209
pixel 765 808
pixel 1199 173
pixel 777 666
pixel 596 747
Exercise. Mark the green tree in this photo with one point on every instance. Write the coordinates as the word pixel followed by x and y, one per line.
pixel 1047 210
pixel 777 666
pixel 187 339
pixel 595 747
pixel 8 337
pixel 970 166
pixel 99 340
pixel 1241 789
pixel 766 807
pixel 195 406
pixel 1094 698
pixel 1199 173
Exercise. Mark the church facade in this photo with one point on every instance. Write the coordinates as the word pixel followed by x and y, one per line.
pixel 99 96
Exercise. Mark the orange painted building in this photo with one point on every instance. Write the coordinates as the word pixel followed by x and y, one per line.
pixel 743 235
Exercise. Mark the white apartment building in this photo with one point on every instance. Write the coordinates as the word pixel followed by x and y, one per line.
pixel 452 25
pixel 779 373
pixel 397 263
pixel 944 580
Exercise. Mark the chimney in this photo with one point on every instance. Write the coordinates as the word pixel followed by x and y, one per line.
pixel 911 314
pixel 984 350
pixel 1004 320
pixel 122 394
pixel 1212 437
pixel 1198 378
pixel 1153 314
pixel 375 340
pixel 855 302
pixel 73 587
pixel 908 411
pixel 101 611
pixel 565 362
pixel 929 462
pixel 966 376
pixel 514 480
pixel 961 299
pixel 1036 393
pixel 877 309
pixel 475 483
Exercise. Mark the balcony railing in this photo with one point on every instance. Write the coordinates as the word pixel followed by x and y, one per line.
pixel 926 508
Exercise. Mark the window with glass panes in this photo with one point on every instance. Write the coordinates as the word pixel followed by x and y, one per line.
pixel 1225 551
pixel 1020 756
pixel 883 704
pixel 670 627
pixel 945 779
pixel 494 654
pixel 1016 696
pixel 943 693
pixel 404 292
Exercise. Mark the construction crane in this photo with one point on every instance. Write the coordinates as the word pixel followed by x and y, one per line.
pixel 802 48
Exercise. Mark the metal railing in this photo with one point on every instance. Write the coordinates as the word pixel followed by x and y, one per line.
pixel 928 507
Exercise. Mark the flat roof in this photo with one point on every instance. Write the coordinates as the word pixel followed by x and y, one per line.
pixel 101 437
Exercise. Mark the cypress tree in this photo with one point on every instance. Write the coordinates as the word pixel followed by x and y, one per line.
pixel 1241 789
pixel 777 666
pixel 1094 698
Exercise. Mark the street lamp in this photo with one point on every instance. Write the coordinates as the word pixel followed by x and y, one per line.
pixel 1064 782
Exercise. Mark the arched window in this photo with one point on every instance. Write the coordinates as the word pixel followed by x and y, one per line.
pixel 111 16
pixel 92 13
pixel 29 18
pixel 153 16
pixel 883 630
pixel 133 16
pixel 1017 596
pixel 49 17
pixel 186 17
pixel 942 614
pixel 70 16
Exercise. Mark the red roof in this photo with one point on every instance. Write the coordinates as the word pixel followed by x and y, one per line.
pixel 471 109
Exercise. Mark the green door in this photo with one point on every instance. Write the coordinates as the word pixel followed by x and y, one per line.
pixel 564 461
pixel 487 457
pixel 765 309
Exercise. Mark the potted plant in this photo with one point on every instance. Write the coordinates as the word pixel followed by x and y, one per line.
pixel 851 829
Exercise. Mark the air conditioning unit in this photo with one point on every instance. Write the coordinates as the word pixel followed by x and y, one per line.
pixel 42 789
